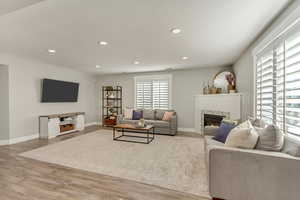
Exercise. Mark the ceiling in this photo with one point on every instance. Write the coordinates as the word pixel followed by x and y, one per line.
pixel 214 32
pixel 7 6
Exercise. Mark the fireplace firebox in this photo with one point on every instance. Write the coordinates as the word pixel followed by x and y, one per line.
pixel 211 120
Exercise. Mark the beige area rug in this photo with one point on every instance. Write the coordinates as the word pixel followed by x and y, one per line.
pixel 172 162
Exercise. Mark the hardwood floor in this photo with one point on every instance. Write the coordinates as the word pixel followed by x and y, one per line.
pixel 26 179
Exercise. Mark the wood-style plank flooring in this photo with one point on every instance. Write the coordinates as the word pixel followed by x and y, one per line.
pixel 26 179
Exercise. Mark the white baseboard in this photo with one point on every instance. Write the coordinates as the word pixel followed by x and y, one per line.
pixel 23 139
pixel 31 137
pixel 92 124
pixel 186 129
pixel 4 142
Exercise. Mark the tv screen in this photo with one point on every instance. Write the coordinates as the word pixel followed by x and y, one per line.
pixel 54 91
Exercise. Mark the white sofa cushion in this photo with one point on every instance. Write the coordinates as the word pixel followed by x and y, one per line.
pixel 243 136
pixel 270 138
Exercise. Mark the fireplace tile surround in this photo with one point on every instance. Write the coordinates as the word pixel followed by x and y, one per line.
pixel 228 105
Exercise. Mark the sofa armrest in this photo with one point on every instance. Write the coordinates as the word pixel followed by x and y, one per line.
pixel 237 173
pixel 120 118
pixel 173 122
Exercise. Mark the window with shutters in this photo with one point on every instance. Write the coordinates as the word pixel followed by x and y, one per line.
pixel 153 92
pixel 278 82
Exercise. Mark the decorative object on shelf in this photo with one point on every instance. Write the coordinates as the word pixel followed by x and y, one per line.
pixel 206 88
pixel 213 90
pixel 231 82
pixel 110 94
pixel 111 104
pixel 225 82
pixel 109 88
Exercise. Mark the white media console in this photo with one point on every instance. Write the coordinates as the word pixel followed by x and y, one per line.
pixel 59 124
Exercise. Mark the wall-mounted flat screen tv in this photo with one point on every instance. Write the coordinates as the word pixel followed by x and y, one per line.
pixel 54 91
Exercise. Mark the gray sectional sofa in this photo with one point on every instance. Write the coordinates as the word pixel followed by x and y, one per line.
pixel 236 174
pixel 154 117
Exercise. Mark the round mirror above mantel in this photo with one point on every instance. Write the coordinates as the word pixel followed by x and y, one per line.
pixel 224 82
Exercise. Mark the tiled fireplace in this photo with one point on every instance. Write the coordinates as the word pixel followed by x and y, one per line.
pixel 215 108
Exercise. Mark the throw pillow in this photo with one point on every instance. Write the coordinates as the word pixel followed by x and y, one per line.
pixel 148 114
pixel 270 138
pixel 242 136
pixel 167 116
pixel 137 115
pixel 223 132
pixel 159 114
pixel 257 122
pixel 128 113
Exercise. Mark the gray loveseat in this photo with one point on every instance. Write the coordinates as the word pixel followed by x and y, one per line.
pixel 236 174
pixel 154 117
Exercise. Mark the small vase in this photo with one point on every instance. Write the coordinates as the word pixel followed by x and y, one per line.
pixel 230 87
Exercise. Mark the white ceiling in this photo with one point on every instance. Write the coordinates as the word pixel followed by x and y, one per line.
pixel 214 32
pixel 7 6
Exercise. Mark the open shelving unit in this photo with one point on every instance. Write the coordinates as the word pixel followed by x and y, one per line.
pixel 111 104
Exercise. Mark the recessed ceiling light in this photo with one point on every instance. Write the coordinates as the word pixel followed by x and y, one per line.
pixel 184 58
pixel 98 66
pixel 51 51
pixel 103 43
pixel 175 30
pixel 136 62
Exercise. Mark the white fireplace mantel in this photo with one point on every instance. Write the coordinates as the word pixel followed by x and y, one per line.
pixel 231 103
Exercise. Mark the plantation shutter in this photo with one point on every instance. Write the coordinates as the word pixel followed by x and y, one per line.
pixel 144 94
pixel 292 84
pixel 278 82
pixel 161 94
pixel 153 92
pixel 265 89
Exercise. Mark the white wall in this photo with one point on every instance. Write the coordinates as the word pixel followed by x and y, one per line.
pixel 25 92
pixel 244 67
pixel 4 103
pixel 186 84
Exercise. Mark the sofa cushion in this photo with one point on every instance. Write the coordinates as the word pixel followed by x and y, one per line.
pixel 149 114
pixel 137 115
pixel 291 146
pixel 167 116
pixel 242 136
pixel 270 138
pixel 158 123
pixel 159 113
pixel 223 132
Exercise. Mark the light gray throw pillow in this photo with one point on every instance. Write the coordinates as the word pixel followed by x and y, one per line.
pixel 148 114
pixel 160 114
pixel 270 138
pixel 257 122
